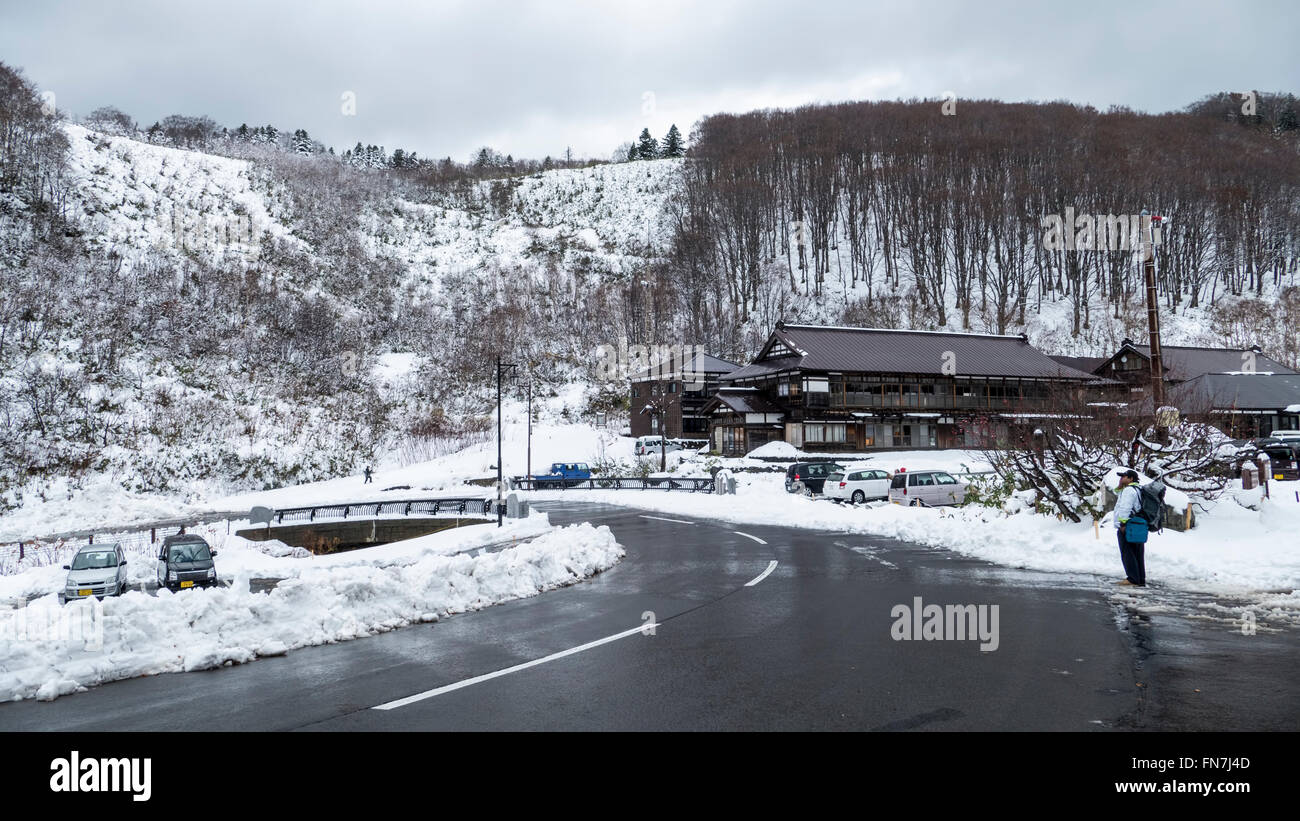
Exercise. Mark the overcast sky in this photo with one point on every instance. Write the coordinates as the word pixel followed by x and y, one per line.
pixel 530 78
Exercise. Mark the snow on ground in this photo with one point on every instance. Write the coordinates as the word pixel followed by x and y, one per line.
pixel 239 558
pixel 102 503
pixel 322 602
pixel 1232 549
pixel 447 475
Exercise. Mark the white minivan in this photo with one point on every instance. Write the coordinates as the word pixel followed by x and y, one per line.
pixel 646 445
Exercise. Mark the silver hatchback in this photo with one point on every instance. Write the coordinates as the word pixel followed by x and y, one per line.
pixel 96 570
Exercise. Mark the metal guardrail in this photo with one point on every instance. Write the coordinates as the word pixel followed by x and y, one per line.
pixel 460 506
pixel 692 484
pixel 47 552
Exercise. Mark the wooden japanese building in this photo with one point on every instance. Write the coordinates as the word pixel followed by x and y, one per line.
pixel 836 389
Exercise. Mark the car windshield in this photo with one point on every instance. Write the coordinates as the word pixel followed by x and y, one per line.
pixel 835 477
pixel 94 560
pixel 188 552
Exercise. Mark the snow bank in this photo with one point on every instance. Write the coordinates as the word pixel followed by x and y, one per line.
pixel 102 503
pixel 1232 549
pixel 775 450
pixel 240 557
pixel 202 629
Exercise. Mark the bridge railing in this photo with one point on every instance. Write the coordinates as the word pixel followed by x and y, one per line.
pixel 702 484
pixel 461 506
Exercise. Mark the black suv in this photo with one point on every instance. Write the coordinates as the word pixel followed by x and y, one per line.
pixel 809 477
pixel 185 561
pixel 1284 458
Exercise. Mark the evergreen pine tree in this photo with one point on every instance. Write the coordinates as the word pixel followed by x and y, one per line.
pixel 674 146
pixel 631 152
pixel 647 147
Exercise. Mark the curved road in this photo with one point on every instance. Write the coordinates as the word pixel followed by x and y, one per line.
pixel 738 643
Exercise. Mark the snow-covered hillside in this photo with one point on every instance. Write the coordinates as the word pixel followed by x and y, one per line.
pixel 138 200
pixel 601 221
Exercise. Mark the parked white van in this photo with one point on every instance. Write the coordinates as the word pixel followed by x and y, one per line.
pixel 646 445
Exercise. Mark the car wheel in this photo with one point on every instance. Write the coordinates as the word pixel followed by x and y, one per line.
pixel 858 497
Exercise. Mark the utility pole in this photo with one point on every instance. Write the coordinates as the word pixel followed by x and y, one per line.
pixel 1149 225
pixel 530 426
pixel 500 366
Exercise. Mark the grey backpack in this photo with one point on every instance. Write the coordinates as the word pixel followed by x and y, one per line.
pixel 1152 498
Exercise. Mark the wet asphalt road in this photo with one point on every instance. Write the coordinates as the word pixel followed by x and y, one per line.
pixel 808 647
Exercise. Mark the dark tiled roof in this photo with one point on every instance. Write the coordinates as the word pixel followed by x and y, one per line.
pixel 1244 391
pixel 700 363
pixel 1087 364
pixel 1183 363
pixel 870 350
pixel 765 367
pixel 742 400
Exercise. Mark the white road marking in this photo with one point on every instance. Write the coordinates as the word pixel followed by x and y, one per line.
pixel 662 519
pixel 747 536
pixel 770 567
pixel 437 691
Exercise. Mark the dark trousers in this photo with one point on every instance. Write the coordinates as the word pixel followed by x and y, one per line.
pixel 1133 555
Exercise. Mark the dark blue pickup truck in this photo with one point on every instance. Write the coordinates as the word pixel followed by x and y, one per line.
pixel 563 474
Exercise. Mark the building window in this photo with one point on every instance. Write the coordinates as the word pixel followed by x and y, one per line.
pixel 902 436
pixel 654 424
pixel 672 387
pixel 636 392
pixel 783 388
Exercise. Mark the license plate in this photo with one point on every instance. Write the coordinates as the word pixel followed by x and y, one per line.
pixel 187 584
pixel 1277 476
pixel 84 591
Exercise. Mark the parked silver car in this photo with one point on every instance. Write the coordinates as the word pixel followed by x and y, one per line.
pixel 929 488
pixel 96 570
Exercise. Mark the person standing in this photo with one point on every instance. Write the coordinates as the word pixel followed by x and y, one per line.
pixel 368 480
pixel 1132 554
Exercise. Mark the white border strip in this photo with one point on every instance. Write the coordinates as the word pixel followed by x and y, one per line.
pixel 437 691
pixel 770 567
pixel 662 519
pixel 747 536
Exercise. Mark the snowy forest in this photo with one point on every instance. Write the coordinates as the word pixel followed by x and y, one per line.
pixel 857 205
